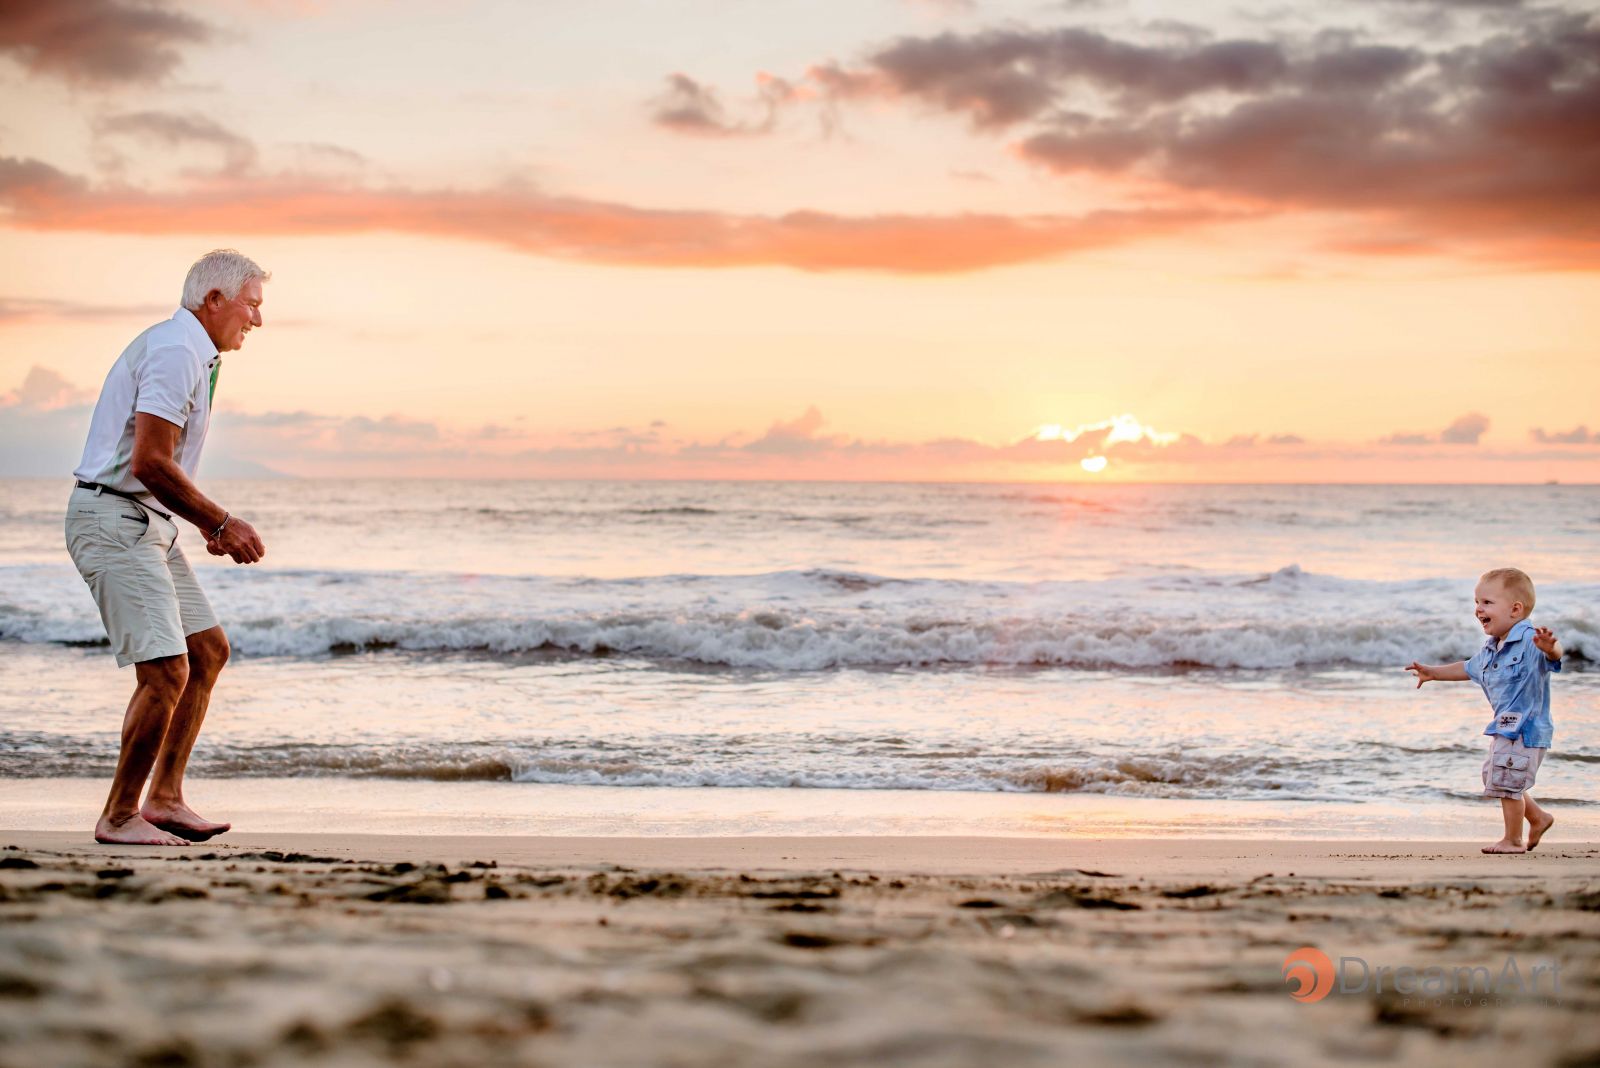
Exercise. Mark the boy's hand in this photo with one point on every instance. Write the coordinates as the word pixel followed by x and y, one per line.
pixel 1545 639
pixel 1423 672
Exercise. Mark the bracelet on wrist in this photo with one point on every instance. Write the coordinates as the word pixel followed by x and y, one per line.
pixel 215 534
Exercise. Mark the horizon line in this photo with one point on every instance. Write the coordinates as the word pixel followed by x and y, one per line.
pixel 284 477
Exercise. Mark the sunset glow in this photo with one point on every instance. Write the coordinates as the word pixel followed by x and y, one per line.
pixel 1117 429
pixel 758 243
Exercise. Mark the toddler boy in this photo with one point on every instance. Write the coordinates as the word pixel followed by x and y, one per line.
pixel 1513 667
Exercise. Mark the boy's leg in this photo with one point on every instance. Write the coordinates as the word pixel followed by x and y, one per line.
pixel 1539 820
pixel 1513 810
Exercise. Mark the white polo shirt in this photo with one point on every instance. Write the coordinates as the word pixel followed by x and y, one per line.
pixel 170 371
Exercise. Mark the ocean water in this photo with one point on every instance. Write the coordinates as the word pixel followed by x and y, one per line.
pixel 738 657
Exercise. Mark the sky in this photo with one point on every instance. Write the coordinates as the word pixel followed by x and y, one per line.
pixel 1076 240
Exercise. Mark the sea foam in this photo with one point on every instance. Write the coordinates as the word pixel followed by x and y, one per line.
pixel 819 619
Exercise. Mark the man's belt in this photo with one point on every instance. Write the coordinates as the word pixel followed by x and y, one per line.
pixel 125 496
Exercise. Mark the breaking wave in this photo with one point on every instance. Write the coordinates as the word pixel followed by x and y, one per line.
pixel 819 619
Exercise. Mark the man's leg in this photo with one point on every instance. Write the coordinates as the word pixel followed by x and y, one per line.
pixel 159 684
pixel 1539 820
pixel 1512 810
pixel 165 807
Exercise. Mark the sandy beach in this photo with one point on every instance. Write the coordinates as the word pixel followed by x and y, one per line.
pixel 365 949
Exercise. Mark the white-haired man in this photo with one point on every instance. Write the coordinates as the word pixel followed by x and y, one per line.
pixel 138 472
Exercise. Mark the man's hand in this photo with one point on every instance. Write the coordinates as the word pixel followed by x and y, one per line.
pixel 1423 672
pixel 1545 639
pixel 239 540
pixel 154 443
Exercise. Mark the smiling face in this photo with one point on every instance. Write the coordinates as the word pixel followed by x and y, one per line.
pixel 228 321
pixel 1496 607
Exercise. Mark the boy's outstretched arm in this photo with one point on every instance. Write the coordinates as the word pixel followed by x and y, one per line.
pixel 1456 672
pixel 1548 643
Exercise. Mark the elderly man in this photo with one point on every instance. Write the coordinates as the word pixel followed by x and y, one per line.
pixel 138 472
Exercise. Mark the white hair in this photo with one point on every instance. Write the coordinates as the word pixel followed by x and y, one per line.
pixel 225 270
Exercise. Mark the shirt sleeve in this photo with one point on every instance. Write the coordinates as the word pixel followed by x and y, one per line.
pixel 1474 667
pixel 164 383
pixel 1546 663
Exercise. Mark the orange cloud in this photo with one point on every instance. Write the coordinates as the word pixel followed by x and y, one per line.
pixel 41 197
pixel 1464 431
pixel 1486 148
pixel 98 42
pixel 44 390
pixel 688 107
pixel 29 310
pixel 1578 435
pixel 42 422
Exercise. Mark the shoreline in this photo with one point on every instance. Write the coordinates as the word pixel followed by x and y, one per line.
pixel 545 810
pixel 938 855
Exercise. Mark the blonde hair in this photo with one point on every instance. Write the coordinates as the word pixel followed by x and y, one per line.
pixel 1515 582
pixel 225 270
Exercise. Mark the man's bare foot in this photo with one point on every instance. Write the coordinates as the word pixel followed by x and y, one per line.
pixel 135 830
pixel 1506 845
pixel 181 820
pixel 1536 830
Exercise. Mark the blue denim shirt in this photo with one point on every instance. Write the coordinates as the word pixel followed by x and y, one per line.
pixel 1516 677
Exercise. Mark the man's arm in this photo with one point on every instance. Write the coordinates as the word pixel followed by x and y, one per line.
pixel 155 441
pixel 1456 672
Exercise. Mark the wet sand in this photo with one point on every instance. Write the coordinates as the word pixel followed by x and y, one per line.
pixel 364 949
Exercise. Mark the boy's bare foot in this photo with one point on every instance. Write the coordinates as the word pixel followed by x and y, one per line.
pixel 1536 829
pixel 134 830
pixel 1505 845
pixel 181 820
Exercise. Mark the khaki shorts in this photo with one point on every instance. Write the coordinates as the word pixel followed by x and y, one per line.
pixel 1510 767
pixel 148 597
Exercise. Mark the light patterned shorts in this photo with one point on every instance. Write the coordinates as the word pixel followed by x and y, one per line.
pixel 1510 767
pixel 148 597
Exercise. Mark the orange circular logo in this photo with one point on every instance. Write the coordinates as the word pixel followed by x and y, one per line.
pixel 1308 973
